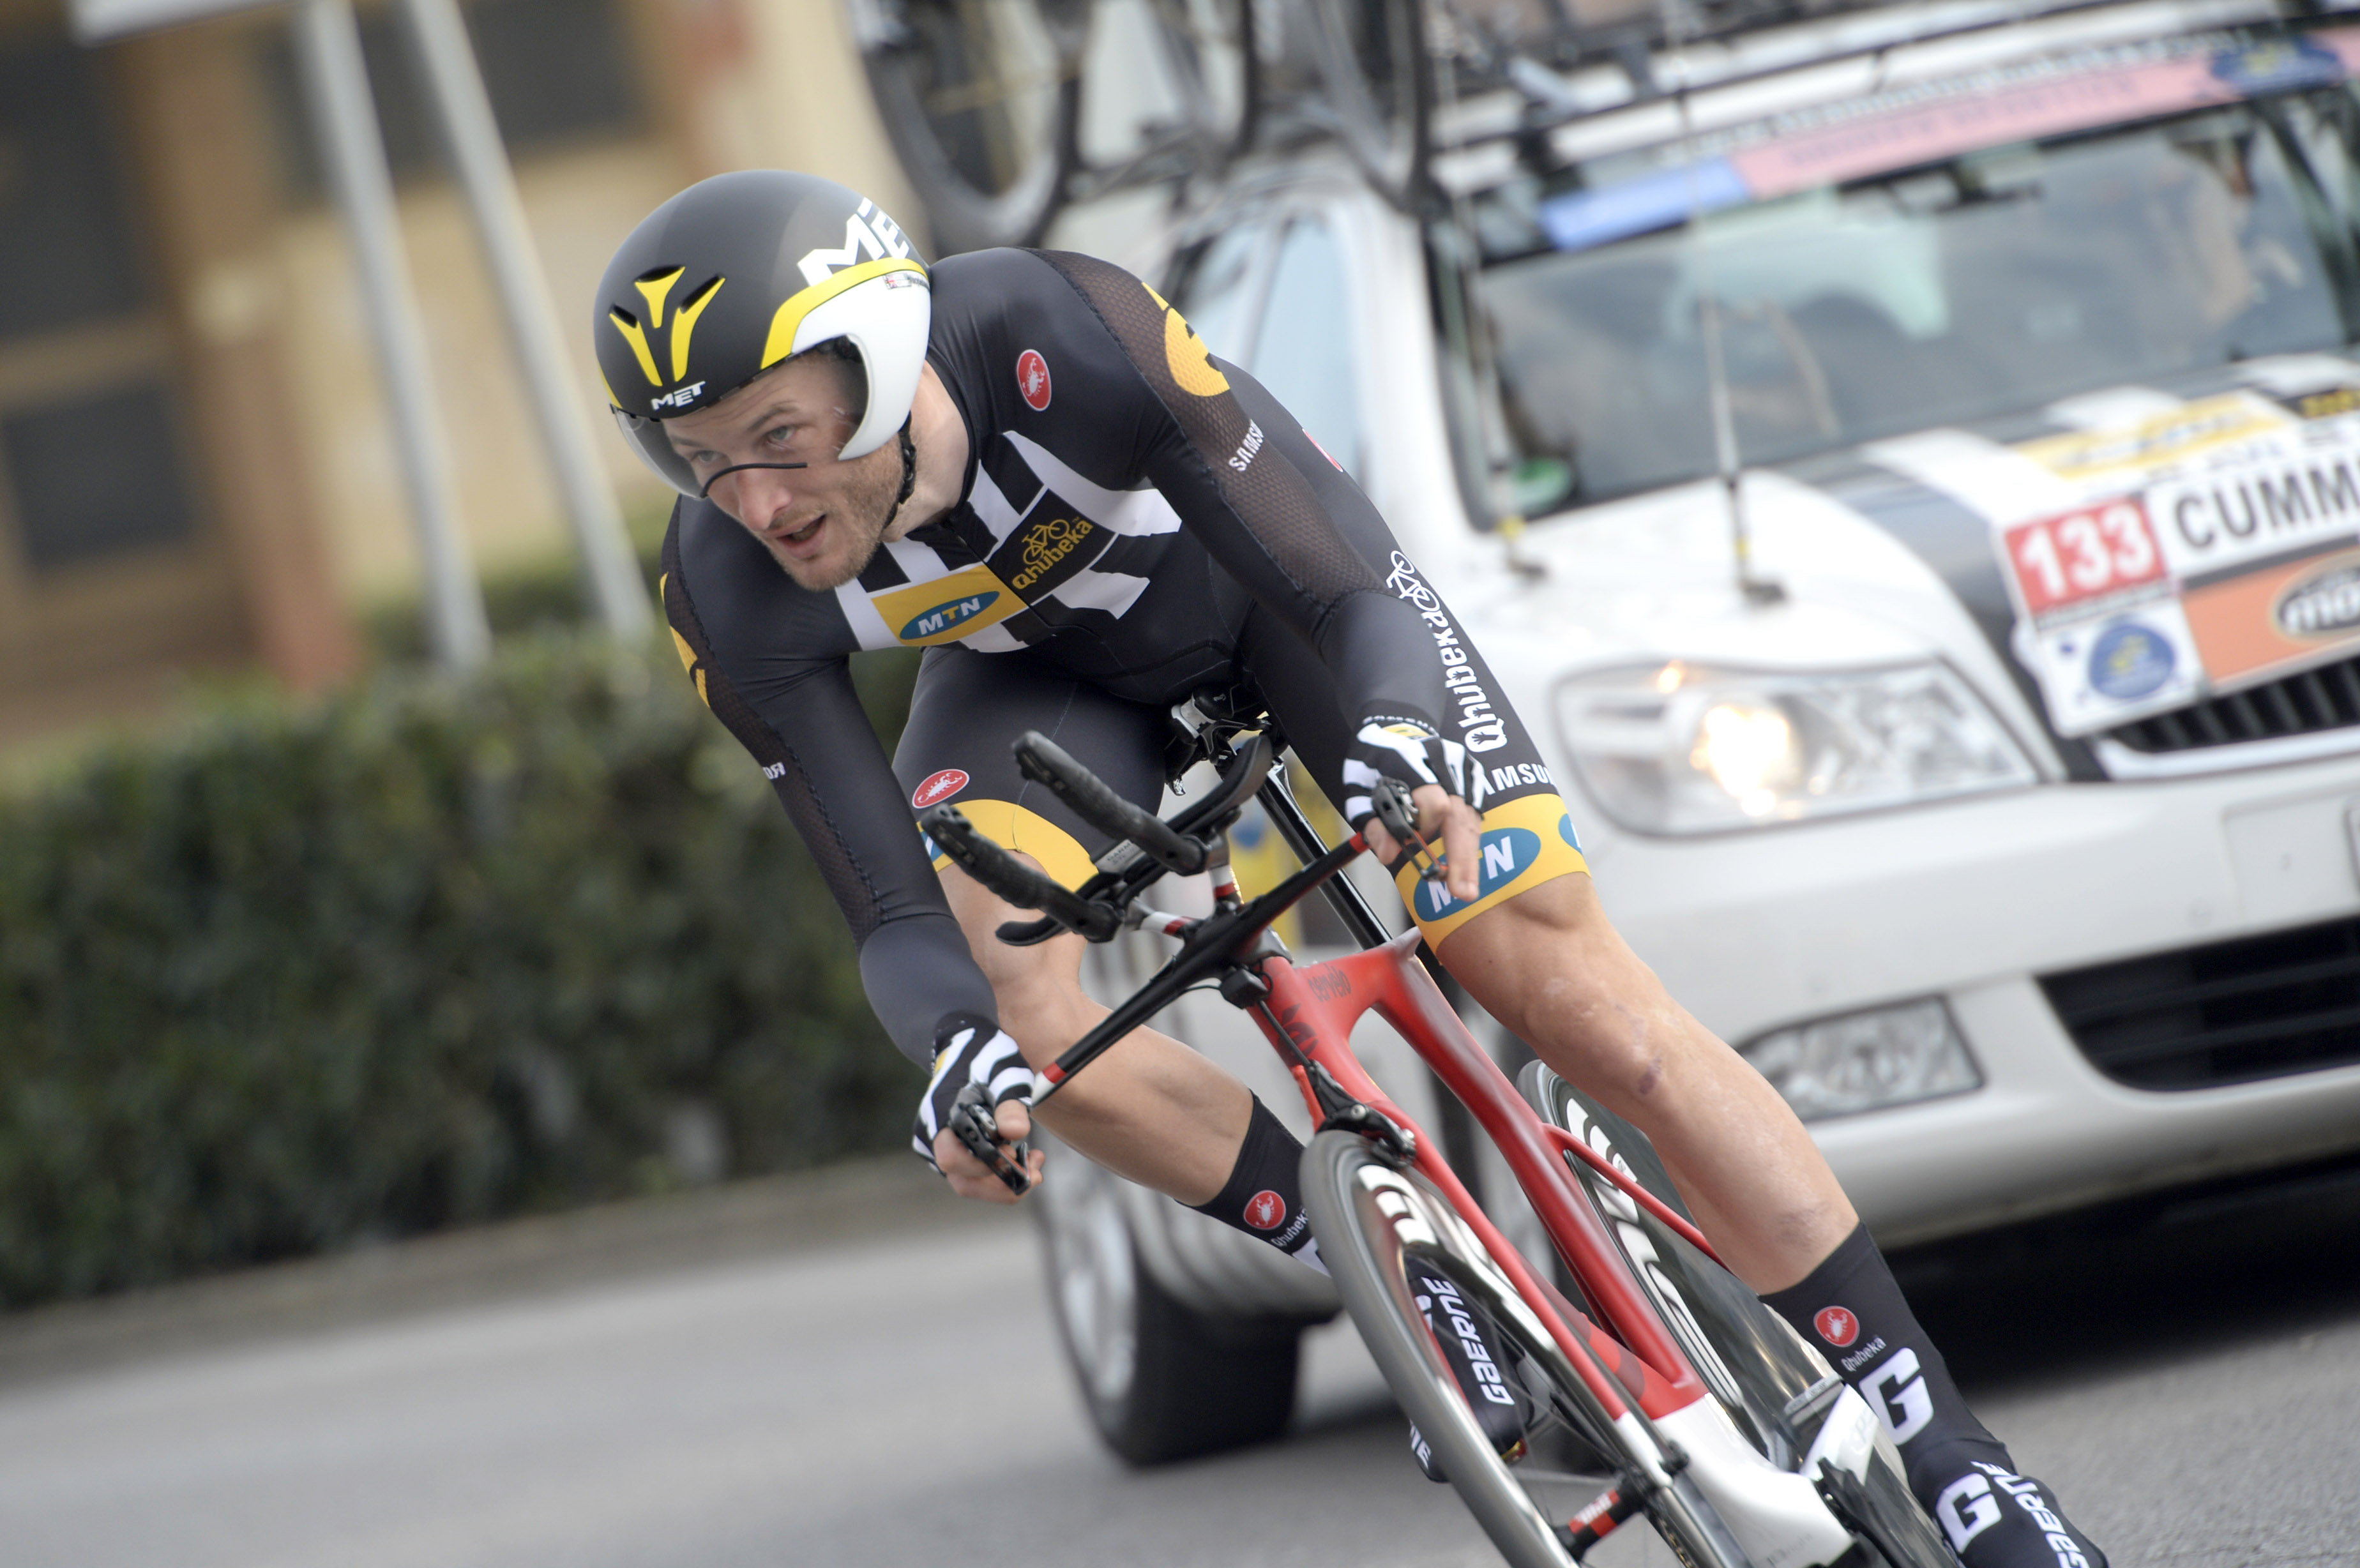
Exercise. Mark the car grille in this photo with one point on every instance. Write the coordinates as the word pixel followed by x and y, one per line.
pixel 2327 698
pixel 2228 1013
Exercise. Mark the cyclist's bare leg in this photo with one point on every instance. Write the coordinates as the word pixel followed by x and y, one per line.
pixel 1151 1109
pixel 1550 967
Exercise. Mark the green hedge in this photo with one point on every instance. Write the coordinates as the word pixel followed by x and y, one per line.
pixel 426 952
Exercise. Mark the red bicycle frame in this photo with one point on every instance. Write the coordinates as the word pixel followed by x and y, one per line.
pixel 1309 1017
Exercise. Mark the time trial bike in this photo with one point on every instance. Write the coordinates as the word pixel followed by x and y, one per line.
pixel 1678 1395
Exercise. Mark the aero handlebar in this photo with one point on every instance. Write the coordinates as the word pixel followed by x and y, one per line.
pixel 1044 762
pixel 1012 879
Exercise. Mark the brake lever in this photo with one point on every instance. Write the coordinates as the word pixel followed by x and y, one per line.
pixel 1392 799
pixel 975 1124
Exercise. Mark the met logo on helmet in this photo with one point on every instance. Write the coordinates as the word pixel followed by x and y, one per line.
pixel 868 234
pixel 680 398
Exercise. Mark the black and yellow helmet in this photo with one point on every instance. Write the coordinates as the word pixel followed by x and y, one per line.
pixel 740 271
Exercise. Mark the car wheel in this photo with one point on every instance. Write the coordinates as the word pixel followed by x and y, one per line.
pixel 1162 1380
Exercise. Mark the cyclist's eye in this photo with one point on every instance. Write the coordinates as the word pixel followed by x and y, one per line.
pixel 779 436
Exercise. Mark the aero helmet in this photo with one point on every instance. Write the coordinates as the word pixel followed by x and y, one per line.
pixel 740 271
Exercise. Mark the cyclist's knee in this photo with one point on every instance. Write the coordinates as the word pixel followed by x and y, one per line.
pixel 1550 967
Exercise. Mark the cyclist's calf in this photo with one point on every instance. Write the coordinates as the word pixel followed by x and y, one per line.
pixel 1152 1109
pixel 1550 967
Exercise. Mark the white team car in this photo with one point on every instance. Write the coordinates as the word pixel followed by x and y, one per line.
pixel 1957 686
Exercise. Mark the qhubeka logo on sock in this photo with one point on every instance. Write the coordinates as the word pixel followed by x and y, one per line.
pixel 1265 1210
pixel 1837 1325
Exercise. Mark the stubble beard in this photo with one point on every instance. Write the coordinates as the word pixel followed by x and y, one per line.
pixel 865 504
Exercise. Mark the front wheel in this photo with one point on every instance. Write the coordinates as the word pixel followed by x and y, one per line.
pixel 1775 1387
pixel 1390 1239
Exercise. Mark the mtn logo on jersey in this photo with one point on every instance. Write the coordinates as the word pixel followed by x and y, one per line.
pixel 1265 1210
pixel 1508 854
pixel 1526 842
pixel 938 786
pixel 946 608
pixel 937 620
pixel 1032 380
pixel 1837 1326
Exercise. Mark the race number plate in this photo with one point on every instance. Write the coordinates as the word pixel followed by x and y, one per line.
pixel 2219 548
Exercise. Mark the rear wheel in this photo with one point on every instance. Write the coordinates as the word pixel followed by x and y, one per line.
pixel 978 98
pixel 1161 1380
pixel 1775 1386
pixel 1386 1235
pixel 1378 80
pixel 1209 46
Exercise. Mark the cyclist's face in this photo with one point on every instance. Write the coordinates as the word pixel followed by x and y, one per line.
pixel 821 522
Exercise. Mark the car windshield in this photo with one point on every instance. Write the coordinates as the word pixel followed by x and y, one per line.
pixel 1988 283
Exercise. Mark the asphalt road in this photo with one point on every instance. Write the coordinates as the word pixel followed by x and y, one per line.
pixel 2192 1389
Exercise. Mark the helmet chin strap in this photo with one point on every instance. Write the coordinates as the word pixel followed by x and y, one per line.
pixel 909 474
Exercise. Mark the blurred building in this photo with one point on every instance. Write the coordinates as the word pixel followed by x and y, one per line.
pixel 195 467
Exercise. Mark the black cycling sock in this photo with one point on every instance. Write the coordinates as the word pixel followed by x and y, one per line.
pixel 1264 1196
pixel 1850 1309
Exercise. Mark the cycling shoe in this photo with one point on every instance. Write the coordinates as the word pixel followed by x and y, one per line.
pixel 1997 1518
pixel 1498 1405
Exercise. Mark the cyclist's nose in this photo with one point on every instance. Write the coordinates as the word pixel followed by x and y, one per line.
pixel 756 497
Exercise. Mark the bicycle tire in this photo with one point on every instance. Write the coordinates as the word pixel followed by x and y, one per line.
pixel 1758 1369
pixel 1371 1252
pixel 1209 48
pixel 1380 90
pixel 980 99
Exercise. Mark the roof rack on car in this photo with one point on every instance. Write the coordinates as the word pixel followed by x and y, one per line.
pixel 1581 71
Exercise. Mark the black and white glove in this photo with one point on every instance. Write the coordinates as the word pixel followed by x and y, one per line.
pixel 968 1050
pixel 1406 751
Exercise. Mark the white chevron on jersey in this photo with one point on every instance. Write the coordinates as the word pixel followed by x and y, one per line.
pixel 1090 589
pixel 862 616
pixel 1117 511
pixel 993 509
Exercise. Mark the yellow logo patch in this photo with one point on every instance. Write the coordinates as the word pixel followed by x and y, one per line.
pixel 1185 353
pixel 946 608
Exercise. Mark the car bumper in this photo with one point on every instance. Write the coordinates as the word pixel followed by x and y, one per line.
pixel 1972 901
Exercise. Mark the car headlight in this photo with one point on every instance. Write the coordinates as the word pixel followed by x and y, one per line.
pixel 1682 748
pixel 1866 1060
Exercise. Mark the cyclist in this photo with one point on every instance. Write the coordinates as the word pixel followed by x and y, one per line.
pixel 1025 462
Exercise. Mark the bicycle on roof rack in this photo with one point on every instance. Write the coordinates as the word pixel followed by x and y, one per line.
pixel 1682 1396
